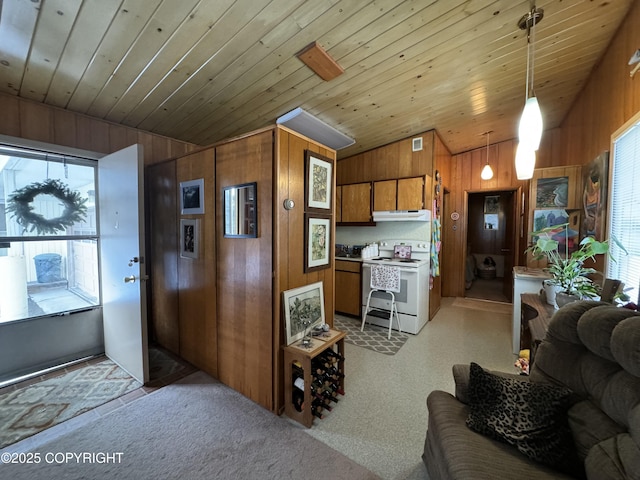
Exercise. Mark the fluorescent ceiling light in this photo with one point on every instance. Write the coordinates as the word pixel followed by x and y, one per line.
pixel 314 128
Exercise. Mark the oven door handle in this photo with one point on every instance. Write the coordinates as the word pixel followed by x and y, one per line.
pixel 407 270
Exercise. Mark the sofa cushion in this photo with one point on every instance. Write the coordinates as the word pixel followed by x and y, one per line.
pixel 531 416
pixel 590 426
pixel 617 458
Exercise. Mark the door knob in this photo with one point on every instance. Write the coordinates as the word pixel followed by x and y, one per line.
pixel 130 279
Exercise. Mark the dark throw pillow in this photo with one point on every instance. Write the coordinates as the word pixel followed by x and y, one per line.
pixel 530 416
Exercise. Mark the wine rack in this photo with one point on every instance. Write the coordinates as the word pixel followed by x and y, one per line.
pixel 325 354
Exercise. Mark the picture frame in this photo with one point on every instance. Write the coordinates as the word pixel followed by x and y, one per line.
pixel 492 204
pixel 317 241
pixel 301 305
pixel 189 237
pixel 491 221
pixel 552 192
pixel 595 190
pixel 192 197
pixel 318 183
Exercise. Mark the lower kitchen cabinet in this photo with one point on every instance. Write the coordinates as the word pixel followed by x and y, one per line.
pixel 348 287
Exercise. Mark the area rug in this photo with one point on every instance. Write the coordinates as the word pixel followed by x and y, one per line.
pixel 33 408
pixel 196 428
pixel 484 305
pixel 164 367
pixel 374 337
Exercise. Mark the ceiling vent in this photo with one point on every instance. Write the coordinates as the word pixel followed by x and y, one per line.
pixel 314 128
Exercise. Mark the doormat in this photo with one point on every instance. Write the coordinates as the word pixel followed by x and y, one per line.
pixel 485 305
pixel 374 337
pixel 33 408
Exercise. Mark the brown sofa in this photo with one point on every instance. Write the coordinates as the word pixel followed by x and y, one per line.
pixel 591 348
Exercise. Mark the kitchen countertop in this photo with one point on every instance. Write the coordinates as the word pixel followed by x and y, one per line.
pixel 349 259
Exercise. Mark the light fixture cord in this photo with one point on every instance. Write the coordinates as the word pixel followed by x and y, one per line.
pixel 487 148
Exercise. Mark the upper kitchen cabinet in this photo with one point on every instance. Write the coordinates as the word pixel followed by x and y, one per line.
pixel 411 193
pixel 401 194
pixel 356 203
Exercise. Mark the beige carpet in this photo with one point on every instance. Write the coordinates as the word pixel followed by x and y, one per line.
pixel 485 305
pixel 194 429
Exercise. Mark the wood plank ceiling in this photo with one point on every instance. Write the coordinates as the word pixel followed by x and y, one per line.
pixel 205 70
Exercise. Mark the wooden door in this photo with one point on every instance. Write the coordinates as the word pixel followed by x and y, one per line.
pixel 508 245
pixel 384 195
pixel 356 202
pixel 411 193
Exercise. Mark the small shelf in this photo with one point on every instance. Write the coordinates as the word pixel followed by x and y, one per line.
pixel 302 356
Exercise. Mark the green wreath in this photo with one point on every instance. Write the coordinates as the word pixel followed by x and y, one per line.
pixel 75 209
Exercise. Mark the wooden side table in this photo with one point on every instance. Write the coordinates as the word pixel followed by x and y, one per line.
pixel 536 315
pixel 296 352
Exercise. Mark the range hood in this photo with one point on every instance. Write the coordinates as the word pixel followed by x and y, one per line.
pixel 402 216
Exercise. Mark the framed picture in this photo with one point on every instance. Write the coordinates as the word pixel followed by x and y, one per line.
pixel 192 197
pixel 189 238
pixel 303 310
pixel 595 176
pixel 491 221
pixel 567 233
pixel 552 192
pixel 316 239
pixel 492 204
pixel 319 178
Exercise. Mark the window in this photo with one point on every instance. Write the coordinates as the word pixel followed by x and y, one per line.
pixel 624 219
pixel 48 256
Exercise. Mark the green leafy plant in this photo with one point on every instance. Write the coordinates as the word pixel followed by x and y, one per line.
pixel 568 270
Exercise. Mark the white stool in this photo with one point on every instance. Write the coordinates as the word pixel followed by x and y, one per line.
pixel 384 279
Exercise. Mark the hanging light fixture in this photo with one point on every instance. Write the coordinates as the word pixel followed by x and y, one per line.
pixel 487 173
pixel 530 127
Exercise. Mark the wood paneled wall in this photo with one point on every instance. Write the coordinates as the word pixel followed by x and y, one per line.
pixel 245 274
pixel 289 238
pixel 35 121
pixel 162 188
pixel 609 99
pixel 395 160
pixel 197 299
pixel 461 176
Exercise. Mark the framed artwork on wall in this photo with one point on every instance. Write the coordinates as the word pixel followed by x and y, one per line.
pixel 595 177
pixel 192 197
pixel 303 310
pixel 318 182
pixel 552 192
pixel 317 241
pixel 189 238
pixel 492 204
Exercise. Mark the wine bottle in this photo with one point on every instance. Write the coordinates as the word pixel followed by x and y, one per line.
pixel 316 413
pixel 297 398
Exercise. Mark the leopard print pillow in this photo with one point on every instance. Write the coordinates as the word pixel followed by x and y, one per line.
pixel 530 416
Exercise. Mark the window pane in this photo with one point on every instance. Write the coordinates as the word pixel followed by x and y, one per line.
pixel 30 213
pixel 48 277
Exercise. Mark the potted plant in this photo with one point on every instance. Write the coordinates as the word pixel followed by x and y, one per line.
pixel 570 276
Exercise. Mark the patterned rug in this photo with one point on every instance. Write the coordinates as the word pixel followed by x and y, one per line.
pixel 374 337
pixel 31 409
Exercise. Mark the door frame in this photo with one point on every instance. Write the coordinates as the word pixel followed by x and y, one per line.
pixel 517 219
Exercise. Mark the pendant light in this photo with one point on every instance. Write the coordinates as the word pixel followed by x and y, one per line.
pixel 530 127
pixel 487 173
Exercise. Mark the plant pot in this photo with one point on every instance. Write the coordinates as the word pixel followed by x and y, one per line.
pixel 550 291
pixel 563 298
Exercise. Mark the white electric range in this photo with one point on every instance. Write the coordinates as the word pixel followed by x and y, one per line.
pixel 412 257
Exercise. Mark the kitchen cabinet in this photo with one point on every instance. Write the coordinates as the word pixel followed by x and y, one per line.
pixel 385 195
pixel 348 287
pixel 356 202
pixel 400 194
pixel 339 203
pixel 411 193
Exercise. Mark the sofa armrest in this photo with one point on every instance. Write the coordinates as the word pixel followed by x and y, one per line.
pixel 461 379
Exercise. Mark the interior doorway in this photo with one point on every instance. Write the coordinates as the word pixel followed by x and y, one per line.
pixel 490 248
